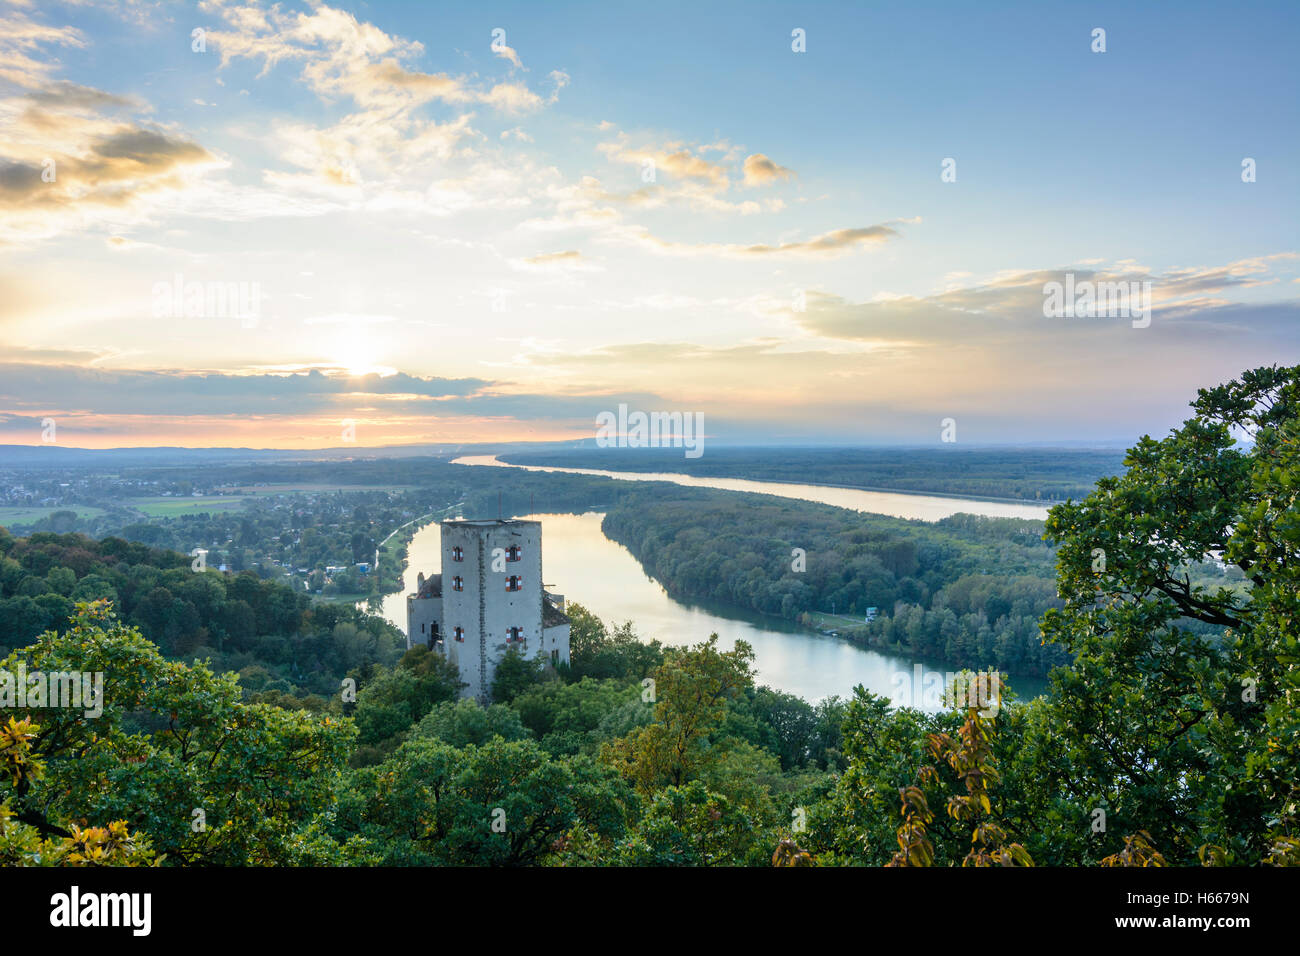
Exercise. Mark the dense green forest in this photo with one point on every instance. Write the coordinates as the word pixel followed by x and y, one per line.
pixel 274 637
pixel 1169 737
pixel 968 589
pixel 1050 474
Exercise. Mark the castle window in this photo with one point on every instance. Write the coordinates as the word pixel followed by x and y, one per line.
pixel 458 583
pixel 459 633
pixel 458 554
pixel 514 583
pixel 513 553
pixel 515 634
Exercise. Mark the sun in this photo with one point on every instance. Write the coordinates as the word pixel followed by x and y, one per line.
pixel 358 354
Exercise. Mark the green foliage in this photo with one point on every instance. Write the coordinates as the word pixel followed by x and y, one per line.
pixel 506 803
pixel 577 717
pixel 464 723
pixel 691 689
pixel 171 740
pixel 391 701
pixel 235 620
pixel 1178 714
pixel 971 758
pixel 516 674
pixel 1173 717
pixel 690 826
pixel 595 651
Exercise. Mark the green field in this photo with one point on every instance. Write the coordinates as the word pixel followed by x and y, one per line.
pixel 171 507
pixel 25 516
pixel 307 488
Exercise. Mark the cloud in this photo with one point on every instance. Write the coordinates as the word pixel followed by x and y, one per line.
pixel 673 158
pixel 20 37
pixel 827 245
pixel 506 53
pixel 570 260
pixel 360 159
pixel 74 158
pixel 137 392
pixel 1009 307
pixel 570 255
pixel 341 56
pixel 284 409
pixel 66 168
pixel 761 171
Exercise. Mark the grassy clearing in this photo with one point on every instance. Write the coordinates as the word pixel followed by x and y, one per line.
pixel 30 515
pixel 172 507
pixel 830 622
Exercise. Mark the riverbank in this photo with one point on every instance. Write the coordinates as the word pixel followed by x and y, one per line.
pixel 391 557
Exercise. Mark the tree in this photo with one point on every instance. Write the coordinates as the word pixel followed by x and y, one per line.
pixel 175 755
pixel 691 690
pixel 28 838
pixel 971 758
pixel 1178 716
pixel 464 722
pixel 692 826
pixel 394 699
pixel 514 675
pixel 506 803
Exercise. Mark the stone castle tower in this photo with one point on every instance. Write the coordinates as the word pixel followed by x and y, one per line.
pixel 488 601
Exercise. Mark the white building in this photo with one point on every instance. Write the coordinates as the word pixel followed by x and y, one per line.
pixel 487 601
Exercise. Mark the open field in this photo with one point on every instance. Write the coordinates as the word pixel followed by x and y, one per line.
pixel 171 507
pixel 828 622
pixel 28 515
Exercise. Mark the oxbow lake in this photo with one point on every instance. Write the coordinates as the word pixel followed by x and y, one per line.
pixel 579 562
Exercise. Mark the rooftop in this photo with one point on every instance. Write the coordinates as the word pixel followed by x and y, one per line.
pixel 552 616
pixel 487 523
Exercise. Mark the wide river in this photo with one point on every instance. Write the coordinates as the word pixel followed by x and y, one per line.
pixel 787 657
pixel 895 504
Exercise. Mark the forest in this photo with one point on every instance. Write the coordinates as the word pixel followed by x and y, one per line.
pixel 1168 737
pixel 968 589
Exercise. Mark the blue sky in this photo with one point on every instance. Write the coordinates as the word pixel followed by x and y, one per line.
pixel 409 200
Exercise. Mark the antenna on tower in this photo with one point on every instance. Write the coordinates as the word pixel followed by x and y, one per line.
pixel 498 506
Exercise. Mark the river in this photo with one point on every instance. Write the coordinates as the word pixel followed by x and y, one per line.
pixel 892 503
pixel 789 658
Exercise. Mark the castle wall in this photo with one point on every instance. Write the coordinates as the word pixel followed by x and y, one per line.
pixel 555 644
pixel 477 600
pixel 422 614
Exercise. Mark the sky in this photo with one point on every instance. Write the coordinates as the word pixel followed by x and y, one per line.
pixel 231 223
